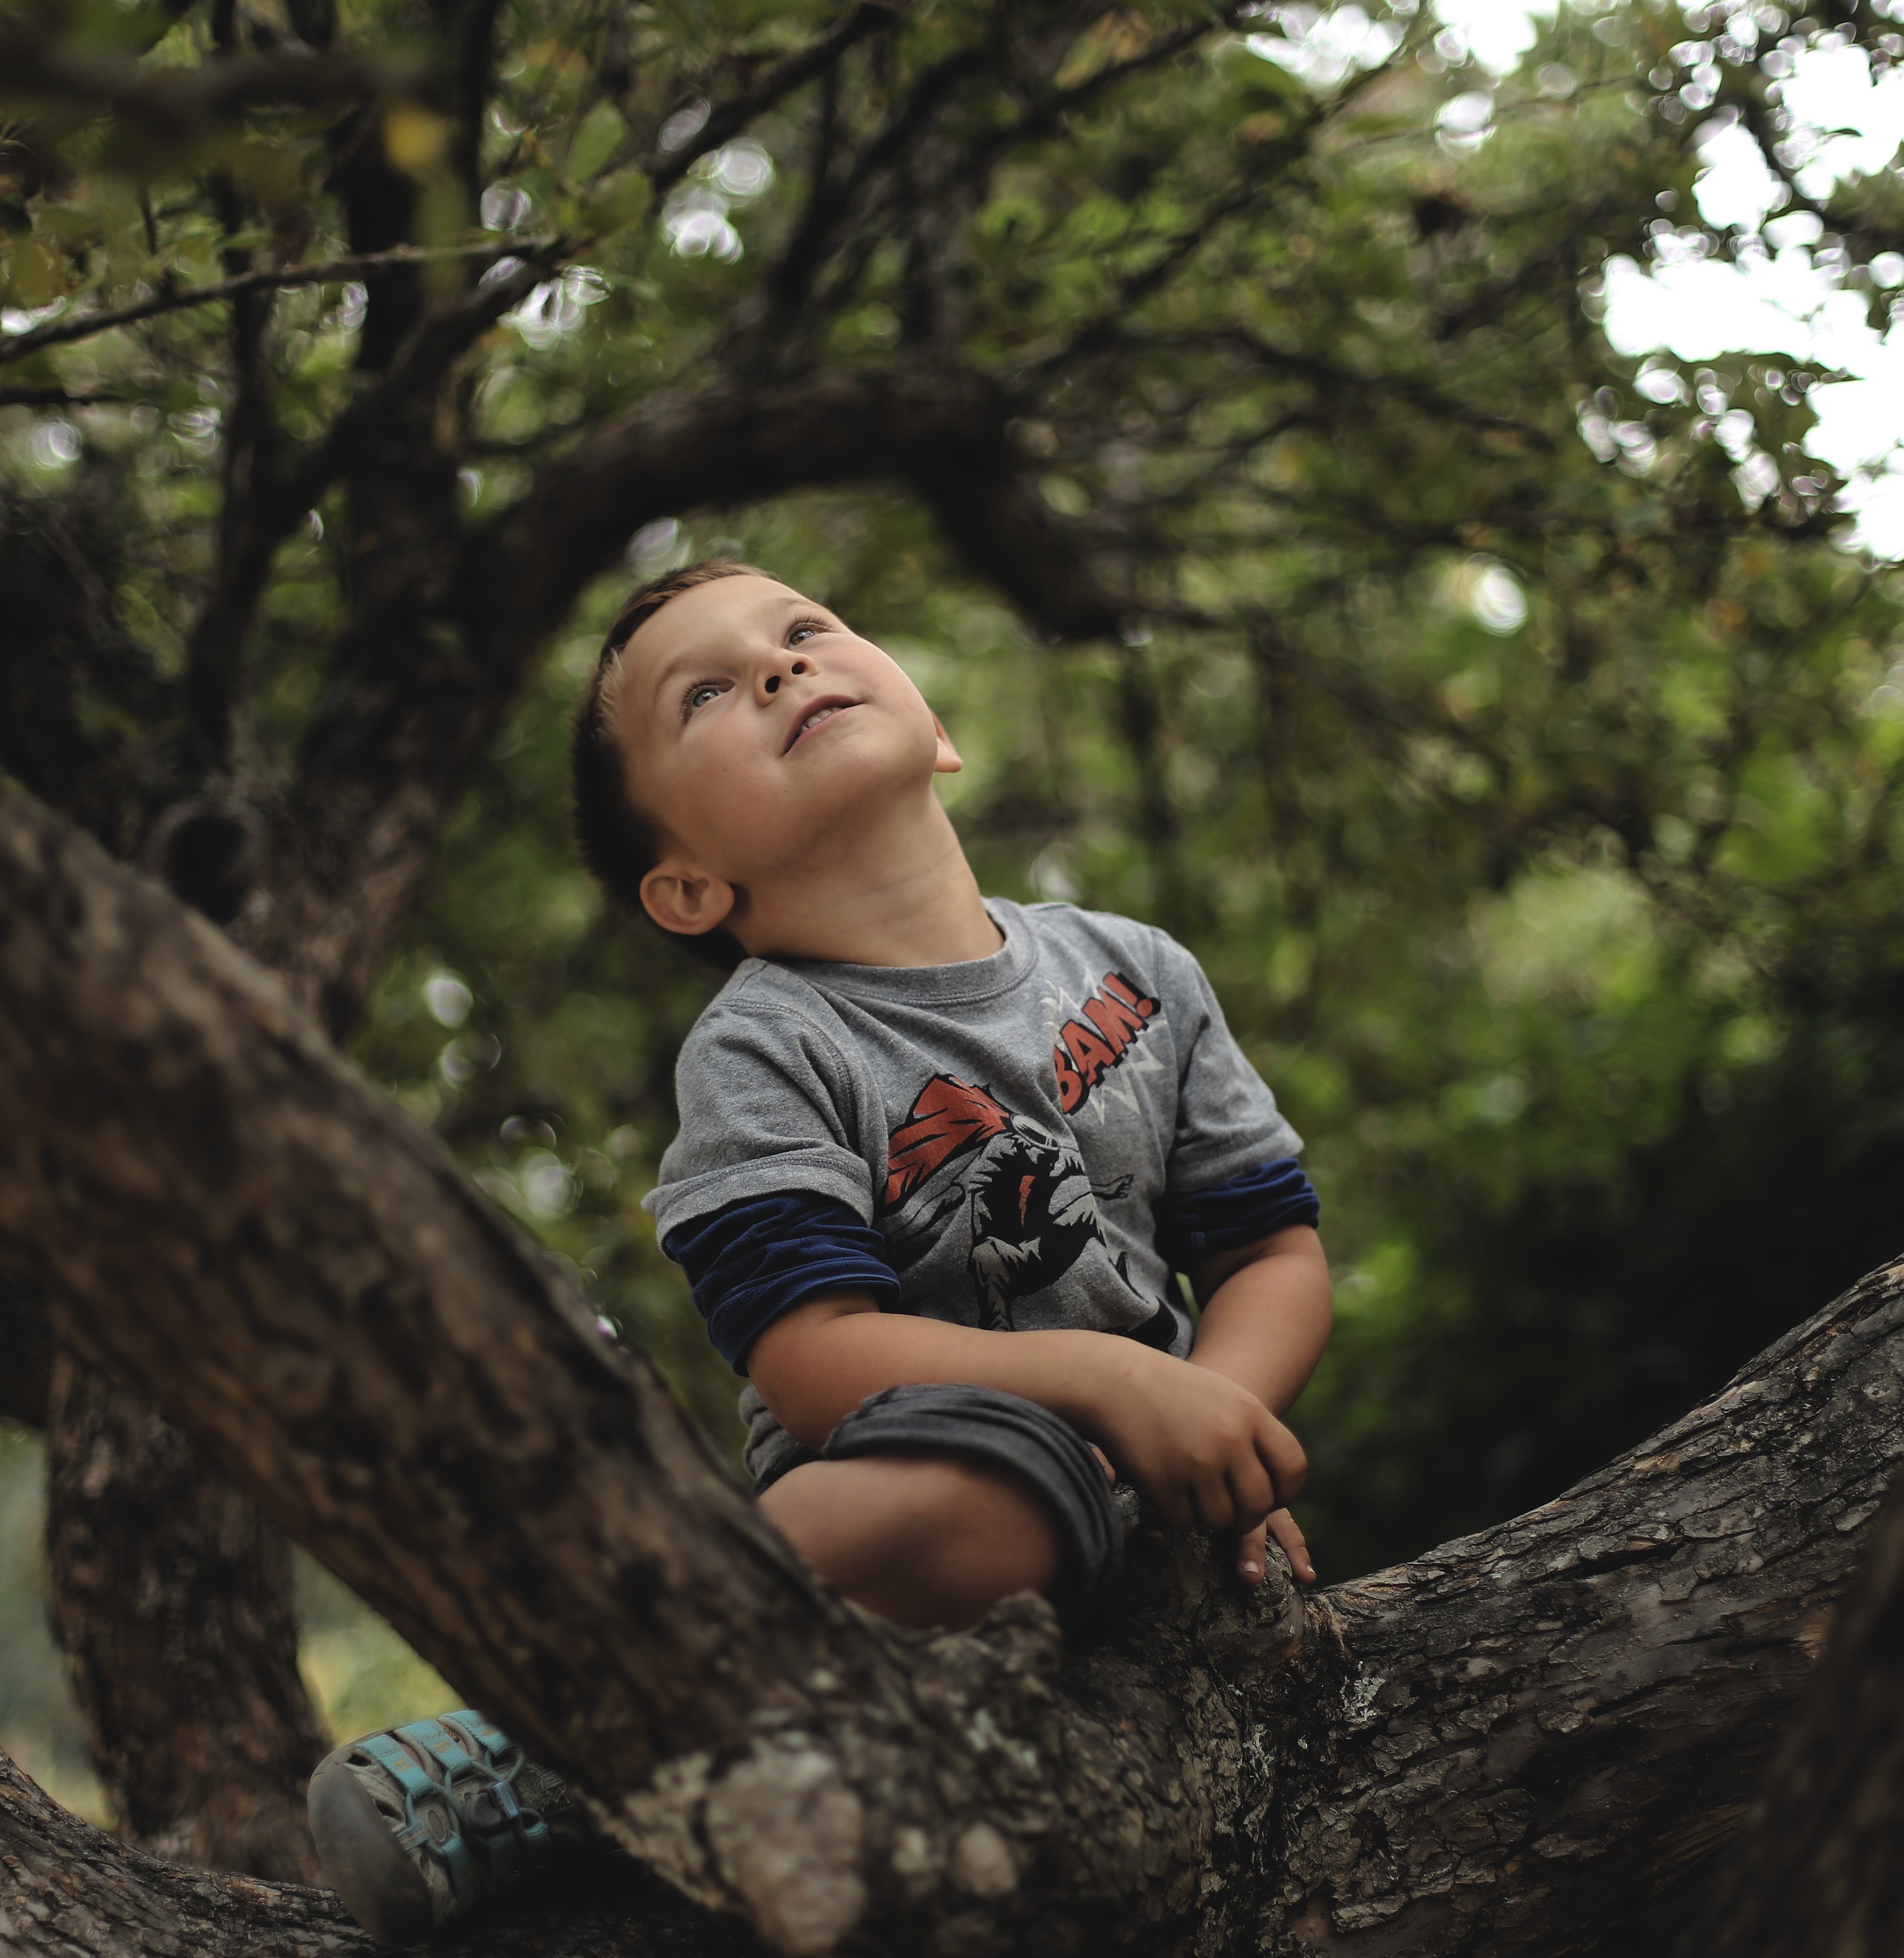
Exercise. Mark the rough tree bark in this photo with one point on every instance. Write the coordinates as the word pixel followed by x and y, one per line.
pixel 1817 1872
pixel 1503 1746
pixel 175 1613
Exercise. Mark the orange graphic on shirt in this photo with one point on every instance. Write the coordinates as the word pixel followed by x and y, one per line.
pixel 949 1118
pixel 1117 1013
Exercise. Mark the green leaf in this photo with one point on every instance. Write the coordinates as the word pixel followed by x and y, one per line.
pixel 596 141
pixel 615 203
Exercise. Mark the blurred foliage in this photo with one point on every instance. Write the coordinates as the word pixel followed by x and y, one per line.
pixel 1530 788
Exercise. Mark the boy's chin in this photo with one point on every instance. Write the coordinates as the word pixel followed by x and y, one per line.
pixel 860 778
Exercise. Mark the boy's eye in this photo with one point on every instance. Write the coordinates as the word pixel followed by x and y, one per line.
pixel 699 695
pixel 807 629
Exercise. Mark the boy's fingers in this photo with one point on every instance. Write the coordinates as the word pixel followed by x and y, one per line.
pixel 1282 1454
pixel 1249 1554
pixel 1175 1503
pixel 1288 1532
pixel 1252 1494
pixel 1215 1506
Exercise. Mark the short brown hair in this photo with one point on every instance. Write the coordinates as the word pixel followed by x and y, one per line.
pixel 621 842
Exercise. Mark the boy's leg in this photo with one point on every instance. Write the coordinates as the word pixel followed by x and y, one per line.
pixel 924 1540
pixel 963 1496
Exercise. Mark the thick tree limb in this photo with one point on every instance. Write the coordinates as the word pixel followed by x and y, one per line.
pixel 937 427
pixel 27 1339
pixel 172 1599
pixel 61 641
pixel 1503 1746
pixel 1817 1873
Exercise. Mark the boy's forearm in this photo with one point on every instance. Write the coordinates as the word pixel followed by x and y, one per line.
pixel 1265 1325
pixel 815 1366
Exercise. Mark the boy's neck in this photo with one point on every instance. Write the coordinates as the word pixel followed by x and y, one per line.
pixel 899 894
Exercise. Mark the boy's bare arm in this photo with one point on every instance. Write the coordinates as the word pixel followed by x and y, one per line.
pixel 1267 1310
pixel 1204 1447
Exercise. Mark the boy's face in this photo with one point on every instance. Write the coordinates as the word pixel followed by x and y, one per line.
pixel 754 725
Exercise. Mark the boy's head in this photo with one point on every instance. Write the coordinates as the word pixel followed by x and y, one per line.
pixel 734 735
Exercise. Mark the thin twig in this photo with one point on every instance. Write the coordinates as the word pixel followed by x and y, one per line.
pixel 363 265
pixel 62 398
pixel 730 118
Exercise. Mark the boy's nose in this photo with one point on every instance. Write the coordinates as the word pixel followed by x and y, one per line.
pixel 773 680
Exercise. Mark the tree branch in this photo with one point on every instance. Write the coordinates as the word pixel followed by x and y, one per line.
pixel 1816 1873
pixel 792 277
pixel 1420 394
pixel 361 265
pixel 940 428
pixel 173 104
pixel 730 118
pixel 171 1599
pixel 26 1338
pixel 235 1221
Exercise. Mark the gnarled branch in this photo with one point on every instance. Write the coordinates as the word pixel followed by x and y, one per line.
pixel 1504 1745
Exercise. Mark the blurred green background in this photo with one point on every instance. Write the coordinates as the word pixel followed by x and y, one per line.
pixel 1534 797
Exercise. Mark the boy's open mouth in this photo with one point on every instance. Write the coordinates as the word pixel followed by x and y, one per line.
pixel 820 712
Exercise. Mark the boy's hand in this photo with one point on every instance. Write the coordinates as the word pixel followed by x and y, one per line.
pixel 1281 1524
pixel 1206 1452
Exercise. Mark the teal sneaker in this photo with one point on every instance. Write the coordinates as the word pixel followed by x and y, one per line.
pixel 418 1824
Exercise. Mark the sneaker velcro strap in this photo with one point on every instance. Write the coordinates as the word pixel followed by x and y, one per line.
pixel 500 1758
pixel 499 1752
pixel 465 1881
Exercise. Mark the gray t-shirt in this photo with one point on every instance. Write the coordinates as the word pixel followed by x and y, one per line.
pixel 1008 1124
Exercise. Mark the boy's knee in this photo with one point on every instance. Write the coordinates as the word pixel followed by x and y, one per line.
pixel 886 1501
pixel 923 1539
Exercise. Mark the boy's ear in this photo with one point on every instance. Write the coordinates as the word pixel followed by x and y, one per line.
pixel 946 761
pixel 678 898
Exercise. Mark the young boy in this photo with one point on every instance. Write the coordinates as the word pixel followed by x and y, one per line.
pixel 940 1156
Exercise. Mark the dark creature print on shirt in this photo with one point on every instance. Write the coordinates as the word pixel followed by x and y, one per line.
pixel 1030 1208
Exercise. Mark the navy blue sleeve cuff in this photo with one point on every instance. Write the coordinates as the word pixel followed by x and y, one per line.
pixel 755 1260
pixel 1271 1198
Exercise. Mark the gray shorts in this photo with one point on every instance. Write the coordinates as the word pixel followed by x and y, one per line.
pixel 1010 1433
